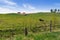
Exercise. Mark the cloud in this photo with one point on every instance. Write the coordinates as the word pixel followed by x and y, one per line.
pixel 6 10
pixel 8 2
pixel 28 6
pixel 8 6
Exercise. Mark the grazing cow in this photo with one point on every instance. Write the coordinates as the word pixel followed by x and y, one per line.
pixel 43 23
pixel 24 13
pixel 41 20
pixel 19 12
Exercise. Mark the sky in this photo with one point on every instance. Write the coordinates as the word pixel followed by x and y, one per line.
pixel 9 6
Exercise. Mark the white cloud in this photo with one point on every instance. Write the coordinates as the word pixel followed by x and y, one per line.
pixel 31 9
pixel 12 7
pixel 6 10
pixel 9 6
pixel 28 6
pixel 25 6
pixel 12 10
pixel 8 2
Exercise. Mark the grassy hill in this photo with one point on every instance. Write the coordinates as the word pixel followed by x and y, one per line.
pixel 17 23
pixel 8 21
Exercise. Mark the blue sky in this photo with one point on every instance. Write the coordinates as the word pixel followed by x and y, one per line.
pixel 28 5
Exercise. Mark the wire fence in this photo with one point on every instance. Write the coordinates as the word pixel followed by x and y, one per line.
pixel 26 30
pixel 40 26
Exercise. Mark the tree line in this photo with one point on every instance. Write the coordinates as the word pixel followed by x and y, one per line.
pixel 55 10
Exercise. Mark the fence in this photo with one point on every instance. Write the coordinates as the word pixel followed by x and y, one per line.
pixel 40 25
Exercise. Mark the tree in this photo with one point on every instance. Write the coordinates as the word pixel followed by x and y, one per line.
pixel 55 10
pixel 58 10
pixel 51 10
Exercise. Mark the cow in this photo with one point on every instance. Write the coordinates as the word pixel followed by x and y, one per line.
pixel 41 20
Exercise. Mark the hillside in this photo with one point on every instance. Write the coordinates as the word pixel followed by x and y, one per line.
pixel 8 21
pixel 12 26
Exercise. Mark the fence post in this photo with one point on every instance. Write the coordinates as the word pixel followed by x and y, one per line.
pixel 26 31
pixel 1 34
pixel 51 26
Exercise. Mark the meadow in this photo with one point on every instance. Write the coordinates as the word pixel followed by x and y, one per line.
pixel 38 30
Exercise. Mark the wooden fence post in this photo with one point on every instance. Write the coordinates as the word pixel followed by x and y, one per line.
pixel 51 26
pixel 26 31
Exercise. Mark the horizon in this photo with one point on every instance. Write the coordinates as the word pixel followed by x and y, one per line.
pixel 22 12
pixel 28 6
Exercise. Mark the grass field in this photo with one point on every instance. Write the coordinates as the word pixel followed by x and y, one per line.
pixel 18 22
pixel 40 36
pixel 36 36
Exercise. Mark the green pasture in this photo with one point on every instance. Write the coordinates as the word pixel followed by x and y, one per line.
pixel 18 22
pixel 9 21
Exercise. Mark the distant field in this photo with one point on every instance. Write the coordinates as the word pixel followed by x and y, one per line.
pixel 18 22
pixel 8 21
